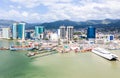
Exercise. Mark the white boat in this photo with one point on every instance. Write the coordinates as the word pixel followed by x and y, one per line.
pixel 104 53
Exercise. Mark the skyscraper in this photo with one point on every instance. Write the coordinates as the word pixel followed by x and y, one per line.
pixel 70 30
pixel 14 31
pixel 62 32
pixel 19 31
pixel 91 34
pixel 39 32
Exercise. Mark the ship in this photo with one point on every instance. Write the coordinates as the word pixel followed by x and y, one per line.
pixel 18 47
pixel 104 53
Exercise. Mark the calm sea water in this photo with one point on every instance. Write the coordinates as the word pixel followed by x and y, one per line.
pixel 15 64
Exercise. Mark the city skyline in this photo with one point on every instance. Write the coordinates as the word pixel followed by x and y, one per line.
pixel 52 10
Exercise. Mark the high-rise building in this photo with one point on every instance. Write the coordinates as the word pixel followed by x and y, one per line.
pixel 62 32
pixel 91 34
pixel 14 31
pixel 39 32
pixel 0 33
pixel 6 33
pixel 28 35
pixel 19 31
pixel 69 34
pixel 58 32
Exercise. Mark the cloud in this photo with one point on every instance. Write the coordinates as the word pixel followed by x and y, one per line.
pixel 15 7
pixel 77 10
pixel 11 14
pixel 25 14
pixel 35 3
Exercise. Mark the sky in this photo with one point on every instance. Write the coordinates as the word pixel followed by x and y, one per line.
pixel 34 11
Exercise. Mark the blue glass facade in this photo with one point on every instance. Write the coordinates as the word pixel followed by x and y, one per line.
pixel 28 35
pixel 111 37
pixel 91 32
pixel 39 30
pixel 19 31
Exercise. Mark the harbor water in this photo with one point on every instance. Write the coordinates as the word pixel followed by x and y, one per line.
pixel 15 64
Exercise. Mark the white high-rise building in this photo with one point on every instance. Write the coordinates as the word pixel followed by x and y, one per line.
pixel 62 32
pixel 69 33
pixel 58 32
pixel 6 33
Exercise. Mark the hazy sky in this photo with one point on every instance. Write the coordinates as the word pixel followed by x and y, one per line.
pixel 52 10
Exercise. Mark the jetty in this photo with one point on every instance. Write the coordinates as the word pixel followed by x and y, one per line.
pixel 4 48
pixel 40 53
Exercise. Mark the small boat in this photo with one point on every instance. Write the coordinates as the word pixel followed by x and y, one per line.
pixel 104 53
pixel 14 48
pixel 32 53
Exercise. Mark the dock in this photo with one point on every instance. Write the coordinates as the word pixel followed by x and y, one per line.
pixel 3 48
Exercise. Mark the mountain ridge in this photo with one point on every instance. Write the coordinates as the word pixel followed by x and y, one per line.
pixel 56 24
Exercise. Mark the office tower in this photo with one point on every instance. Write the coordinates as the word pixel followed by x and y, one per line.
pixel 39 32
pixel 69 34
pixel 28 35
pixel 14 31
pixel 62 32
pixel 19 31
pixel 6 33
pixel 91 34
